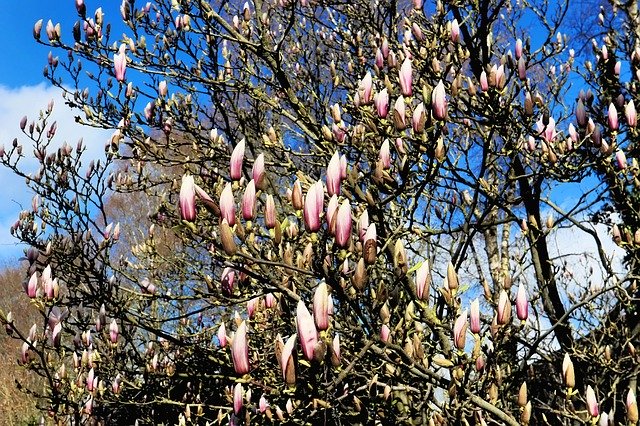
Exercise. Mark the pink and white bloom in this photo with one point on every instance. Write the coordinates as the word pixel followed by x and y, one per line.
pixel 334 174
pixel 227 280
pixel 612 117
pixel 270 212
pixel 365 89
pixel 406 78
pixel 237 398
pixel 522 303
pixel 228 205
pixel 188 199
pixel 418 119
pixel 343 224
pixel 381 101
pixel 385 333
pixel 306 330
pixel 422 279
pixel 320 309
pixel 251 306
pixel 385 154
pixel 475 316
pixel 630 114
pixel 258 172
pixel 548 132
pixel 592 402
pixel 504 308
pixel 32 286
pixel 237 157
pixel 114 331
pixel 518 48
pixel 240 350
pixel 632 407
pixel 455 31
pixel 313 207
pixel 460 330
pixel 332 208
pixel 439 101
pixel 484 83
pixel 222 335
pixel 400 113
pixel 120 63
pixel 287 354
pixel 249 201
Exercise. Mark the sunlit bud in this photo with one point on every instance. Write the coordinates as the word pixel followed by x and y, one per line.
pixel 522 69
pixel 32 286
pixel 632 407
pixel 423 280
pixel 400 113
pixel 604 53
pixel 384 333
pixel 343 224
pixel 313 207
pixel 228 205
pixel 604 420
pixel 612 117
pixel 379 61
pixel 120 63
pixel 37 29
pixel 227 281
pixel 56 334
pixel 116 384
pixel 385 154
pixel 475 316
pixel 455 31
pixel 50 29
pixel 419 118
pixel 381 101
pixel 251 306
pixel 332 208
pixel 363 224
pixel 630 114
pixel 222 335
pixel 335 113
pixel 460 330
pixel 237 398
pixel 592 402
pixel 568 374
pixel 188 199
pixel 484 83
pixel 249 201
pixel 334 174
pixel 320 302
pixel 621 159
pixel 504 308
pixel 237 156
pixel 406 78
pixel 270 212
pixel 306 330
pixel 439 101
pixel 258 172
pixel 240 350
pixel 518 49
pixel 296 195
pixel 365 89
pixel 113 331
pixel 452 277
pixel 90 380
pixel 522 303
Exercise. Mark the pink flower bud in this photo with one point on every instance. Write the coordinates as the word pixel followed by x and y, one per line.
pixel 258 172
pixel 385 333
pixel 320 302
pixel 120 63
pixel 592 402
pixel 332 208
pixel 406 78
pixel 113 331
pixel 475 316
pixel 379 61
pixel 237 398
pixel 455 31
pixel 37 29
pixel 484 83
pixel 632 407
pixel 630 114
pixel 32 286
pixel 313 208
pixel 612 116
pixel 423 279
pixel 518 48
pixel 343 224
pixel 381 101
pixel 270 212
pixel 228 205
pixel 419 118
pixel 334 175
pixel 249 201
pixel 251 306
pixel 222 335
pixel 56 334
pixel 522 303
pixel 240 350
pixel 400 113
pixel 365 89
pixel 581 113
pixel 227 280
pixel 237 156
pixel 439 101
pixel 568 374
pixel 385 154
pixel 163 90
pixel 459 330
pixel 90 380
pixel 306 330
pixel 504 308
pixel 188 199
pixel 263 404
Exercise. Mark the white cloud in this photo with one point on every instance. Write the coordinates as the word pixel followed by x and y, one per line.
pixel 14 104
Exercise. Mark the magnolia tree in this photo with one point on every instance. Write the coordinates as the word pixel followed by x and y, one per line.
pixel 333 212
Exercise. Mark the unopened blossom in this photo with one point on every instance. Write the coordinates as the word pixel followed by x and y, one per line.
pixel 484 83
pixel 475 316
pixel 568 373
pixel 385 154
pixel 237 157
pixel 384 333
pixel 334 174
pixel 632 407
pixel 343 224
pixel 612 117
pixel 630 114
pixel 592 402
pixel 423 280
pixel 455 31
pixel 258 172
pixel 405 78
pixel 332 208
pixel 439 101
pixel 522 303
pixel 188 199
pixel 459 330
pixel 306 330
pixel 240 350
pixel 381 101
pixel 222 335
pixel 400 113
pixel 270 212
pixel 313 207
pixel 365 89
pixel 237 398
pixel 518 49
pixel 320 302
pixel 228 205
pixel 113 331
pixel 418 119
pixel 249 201
pixel 621 159
pixel 32 286
pixel 120 63
pixel 504 308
